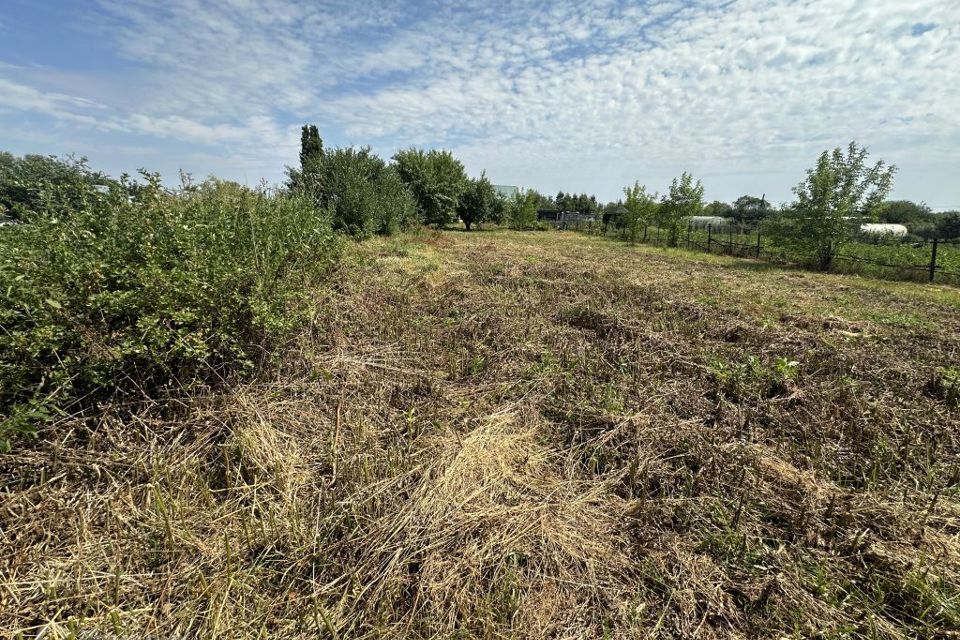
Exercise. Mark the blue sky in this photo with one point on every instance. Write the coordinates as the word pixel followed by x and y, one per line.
pixel 585 96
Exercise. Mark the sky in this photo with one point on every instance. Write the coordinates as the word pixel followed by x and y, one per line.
pixel 583 96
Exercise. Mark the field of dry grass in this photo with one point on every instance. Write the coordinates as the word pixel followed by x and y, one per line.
pixel 498 435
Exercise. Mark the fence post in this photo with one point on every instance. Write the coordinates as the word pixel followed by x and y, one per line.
pixel 658 235
pixel 709 236
pixel 933 260
pixel 758 240
pixel 730 237
pixel 689 224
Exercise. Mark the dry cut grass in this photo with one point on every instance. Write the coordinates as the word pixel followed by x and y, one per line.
pixel 495 435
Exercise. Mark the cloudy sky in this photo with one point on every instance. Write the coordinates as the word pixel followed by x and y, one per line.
pixel 587 95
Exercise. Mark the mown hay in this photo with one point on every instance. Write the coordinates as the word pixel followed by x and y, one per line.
pixel 484 438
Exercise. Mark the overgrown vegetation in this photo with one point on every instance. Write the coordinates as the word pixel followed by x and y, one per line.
pixel 35 183
pixel 137 288
pixel 684 200
pixel 521 211
pixel 436 179
pixel 482 438
pixel 838 194
pixel 641 209
pixel 478 203
pixel 364 195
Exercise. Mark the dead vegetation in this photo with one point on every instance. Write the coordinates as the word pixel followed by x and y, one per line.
pixel 508 435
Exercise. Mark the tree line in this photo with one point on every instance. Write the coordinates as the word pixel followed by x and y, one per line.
pixel 365 195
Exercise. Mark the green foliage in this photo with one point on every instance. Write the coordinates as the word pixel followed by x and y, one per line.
pixel 522 211
pixel 838 193
pixel 363 194
pixel 719 209
pixel 641 208
pixel 138 288
pixel 581 203
pixel 684 200
pixel 544 203
pixel 307 178
pixel 499 208
pixel 436 179
pixel 45 185
pixel 311 146
pixel 948 225
pixel 904 212
pixel 945 384
pixel 477 202
pixel 750 209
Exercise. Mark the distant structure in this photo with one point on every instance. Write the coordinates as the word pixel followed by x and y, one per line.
pixel 506 191
pixel 565 219
pixel 702 222
pixel 614 217
pixel 883 229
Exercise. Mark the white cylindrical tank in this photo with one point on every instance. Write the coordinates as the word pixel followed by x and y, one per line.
pixel 705 221
pixel 883 229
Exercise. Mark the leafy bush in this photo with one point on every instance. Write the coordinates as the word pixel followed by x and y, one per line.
pixel 522 211
pixel 365 196
pixel 640 208
pixel 139 288
pixel 436 179
pixel 948 225
pixel 499 207
pixel 36 184
pixel 477 202
pixel 684 200
pixel 841 190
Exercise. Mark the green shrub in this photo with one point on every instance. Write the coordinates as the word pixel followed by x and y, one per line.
pixel 139 288
pixel 364 195
pixel 35 184
pixel 476 202
pixel 436 179
pixel 522 211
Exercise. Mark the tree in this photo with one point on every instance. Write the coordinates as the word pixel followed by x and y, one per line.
pixel 436 179
pixel 750 209
pixel 306 179
pixel 905 212
pixel 948 225
pixel 640 207
pixel 499 208
pixel 311 146
pixel 477 201
pixel 583 203
pixel 363 194
pixel 522 210
pixel 839 193
pixel 46 185
pixel 684 200
pixel 718 209
pixel 544 203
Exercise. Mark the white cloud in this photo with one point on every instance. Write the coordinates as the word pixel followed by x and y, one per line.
pixel 583 95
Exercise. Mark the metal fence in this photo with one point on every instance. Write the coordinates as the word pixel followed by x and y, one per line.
pixel 910 259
